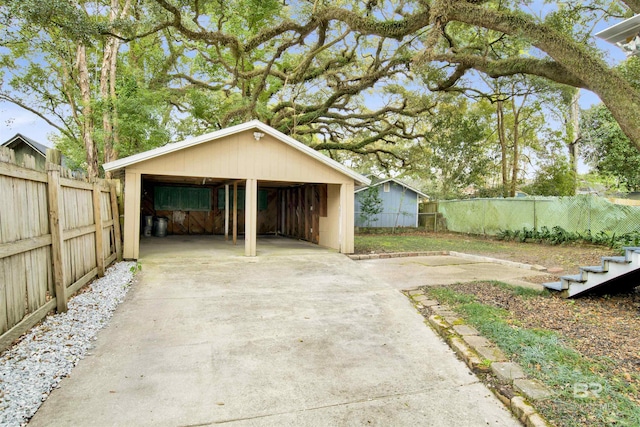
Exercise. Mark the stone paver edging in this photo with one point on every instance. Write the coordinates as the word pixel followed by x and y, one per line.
pixel 516 391
pixel 478 258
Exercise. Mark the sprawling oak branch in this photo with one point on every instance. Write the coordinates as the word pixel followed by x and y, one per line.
pixel 617 94
pixel 505 67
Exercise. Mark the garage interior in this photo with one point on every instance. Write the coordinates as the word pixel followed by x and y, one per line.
pixel 207 206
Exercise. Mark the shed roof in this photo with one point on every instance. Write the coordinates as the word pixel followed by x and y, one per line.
pixel 30 142
pixel 251 125
pixel 418 192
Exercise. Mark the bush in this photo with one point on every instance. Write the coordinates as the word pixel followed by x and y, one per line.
pixel 558 235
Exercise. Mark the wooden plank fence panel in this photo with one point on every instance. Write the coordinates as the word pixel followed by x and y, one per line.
pixel 97 218
pixel 41 277
pixel 56 218
pixel 115 214
pixel 108 246
pixel 51 290
pixel 43 209
pixel 10 170
pixel 27 323
pixel 3 300
pixel 16 289
pixel 49 235
pixel 20 201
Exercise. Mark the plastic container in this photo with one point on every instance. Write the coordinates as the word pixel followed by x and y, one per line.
pixel 147 226
pixel 160 226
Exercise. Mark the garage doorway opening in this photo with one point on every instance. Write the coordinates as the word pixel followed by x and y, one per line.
pixel 205 248
pixel 196 206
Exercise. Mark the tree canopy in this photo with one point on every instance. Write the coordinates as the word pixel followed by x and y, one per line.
pixel 367 78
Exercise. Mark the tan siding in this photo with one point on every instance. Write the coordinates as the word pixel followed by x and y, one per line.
pixel 329 225
pixel 347 213
pixel 240 157
pixel 131 215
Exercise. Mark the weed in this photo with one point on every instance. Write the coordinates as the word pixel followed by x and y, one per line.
pixel 135 268
pixel 486 363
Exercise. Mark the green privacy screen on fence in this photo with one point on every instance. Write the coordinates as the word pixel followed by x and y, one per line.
pixel 576 214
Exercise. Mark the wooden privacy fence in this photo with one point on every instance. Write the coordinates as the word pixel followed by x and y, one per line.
pixel 56 235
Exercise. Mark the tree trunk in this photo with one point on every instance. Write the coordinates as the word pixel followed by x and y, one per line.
pixel 107 101
pixel 502 138
pixel 87 112
pixel 108 76
pixel 575 137
pixel 516 146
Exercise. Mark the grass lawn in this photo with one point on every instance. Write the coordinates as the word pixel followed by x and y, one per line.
pixel 567 257
pixel 365 243
pixel 585 350
pixel 595 385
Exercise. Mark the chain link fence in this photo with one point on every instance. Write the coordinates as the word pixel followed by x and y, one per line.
pixel 574 214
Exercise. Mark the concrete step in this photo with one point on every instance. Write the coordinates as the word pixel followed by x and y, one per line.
pixel 616 259
pixel 579 278
pixel 632 253
pixel 619 272
pixel 556 286
pixel 594 269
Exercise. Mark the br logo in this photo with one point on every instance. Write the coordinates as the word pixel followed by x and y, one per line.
pixel 585 391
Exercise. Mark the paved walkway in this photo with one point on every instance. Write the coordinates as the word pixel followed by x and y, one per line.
pixel 412 272
pixel 298 336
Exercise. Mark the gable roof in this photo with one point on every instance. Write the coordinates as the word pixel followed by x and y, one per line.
pixel 252 125
pixel 418 192
pixel 30 142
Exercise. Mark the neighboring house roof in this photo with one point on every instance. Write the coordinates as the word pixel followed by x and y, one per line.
pixel 418 192
pixel 30 142
pixel 252 125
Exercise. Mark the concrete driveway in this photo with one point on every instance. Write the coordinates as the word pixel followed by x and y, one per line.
pixel 412 272
pixel 298 336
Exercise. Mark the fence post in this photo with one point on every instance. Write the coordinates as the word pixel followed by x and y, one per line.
pixel 115 213
pixel 53 192
pixel 97 219
pixel 484 214
pixel 590 208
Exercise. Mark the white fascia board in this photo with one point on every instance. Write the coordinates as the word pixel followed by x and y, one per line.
pixel 622 31
pixel 420 193
pixel 254 124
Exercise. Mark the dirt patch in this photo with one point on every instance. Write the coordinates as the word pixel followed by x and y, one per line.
pixel 596 326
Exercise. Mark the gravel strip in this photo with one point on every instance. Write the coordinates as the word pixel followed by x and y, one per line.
pixel 37 363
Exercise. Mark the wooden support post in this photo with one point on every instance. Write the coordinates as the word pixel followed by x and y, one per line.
pixel 251 217
pixel 115 213
pixel 235 213
pixel 226 212
pixel 97 219
pixel 54 195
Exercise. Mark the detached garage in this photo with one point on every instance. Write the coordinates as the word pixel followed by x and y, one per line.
pixel 248 179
